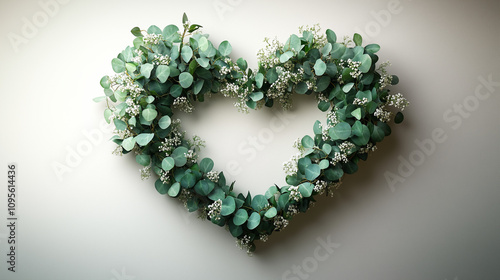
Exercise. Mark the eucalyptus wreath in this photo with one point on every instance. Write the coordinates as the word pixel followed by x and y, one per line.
pixel 172 69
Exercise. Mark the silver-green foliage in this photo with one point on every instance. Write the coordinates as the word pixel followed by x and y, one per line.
pixel 169 68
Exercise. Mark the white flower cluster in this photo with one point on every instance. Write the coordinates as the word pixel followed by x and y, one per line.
pixel 264 237
pixel 124 82
pixel 145 172
pixel 345 150
pixel 385 79
pixel 279 90
pixel 191 156
pixel 320 187
pixel 346 147
pixel 152 39
pixel 368 148
pixel 213 176
pixel 164 176
pixel 174 139
pixel 382 114
pixel 133 109
pixel 398 101
pixel 161 59
pixel 183 104
pixel 353 65
pixel 294 193
pixel 214 209
pixel 331 121
pixel 319 38
pixel 118 151
pixel 244 243
pixel 138 59
pixel 267 56
pixel 360 102
pixel 292 210
pixel 290 167
pixel 184 196
pixel 280 223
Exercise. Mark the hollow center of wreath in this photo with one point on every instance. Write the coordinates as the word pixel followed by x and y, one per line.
pixel 250 148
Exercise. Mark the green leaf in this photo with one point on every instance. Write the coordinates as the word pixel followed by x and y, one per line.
pixel 294 43
pixel 105 82
pixel 340 131
pixel 228 206
pixel 317 129
pixel 271 213
pixel 356 113
pixel 185 79
pixel 203 44
pixel 319 67
pixel 334 173
pixel 206 165
pixel 107 115
pixel 312 171
pixel 186 53
pixel 167 163
pixel 164 122
pixel 242 64
pixel 253 221
pixel 176 90
pixel 130 67
pixel 179 156
pixel 307 142
pixel 198 86
pixel 325 51
pixel 174 190
pixel 119 124
pixel 286 56
pixel 161 187
pixel 272 75
pixel 378 134
pixel 120 95
pixel 323 83
pixel 149 114
pixel 217 193
pixel 283 200
pixel 256 96
pixel 338 50
pixel 357 39
pixel 99 99
pixel 188 180
pixel 136 31
pixel 225 48
pixel 240 217
pixel 372 48
pixel 324 163
pixel 271 191
pixel 306 189
pixel 259 202
pixel 327 148
pixel 162 73
pixel 144 138
pixel 323 106
pixel 361 135
pixel 118 65
pixel 301 88
pixel 259 80
pixel 331 36
pixel 128 144
pixel 346 88
pixel 204 187
pixel 184 18
pixel 143 160
pixel 366 63
pixel 399 117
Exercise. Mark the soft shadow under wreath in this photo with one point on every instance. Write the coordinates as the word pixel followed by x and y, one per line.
pixel 173 69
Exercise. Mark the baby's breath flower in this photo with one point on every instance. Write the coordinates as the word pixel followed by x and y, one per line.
pixel 214 209
pixel 213 176
pixel 145 172
pixel 382 114
pixel 152 39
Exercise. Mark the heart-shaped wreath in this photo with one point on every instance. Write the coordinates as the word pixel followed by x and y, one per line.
pixel 168 69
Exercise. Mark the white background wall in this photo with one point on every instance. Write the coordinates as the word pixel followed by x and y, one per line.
pixel 100 221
